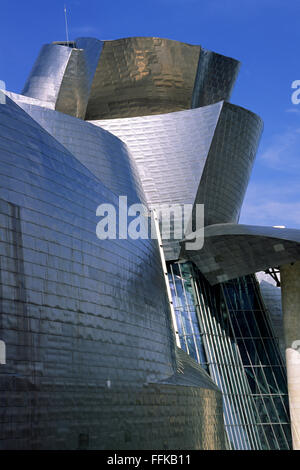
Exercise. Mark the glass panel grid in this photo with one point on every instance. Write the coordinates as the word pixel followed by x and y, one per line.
pixel 226 329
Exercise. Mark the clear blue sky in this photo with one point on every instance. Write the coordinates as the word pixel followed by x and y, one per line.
pixel 263 34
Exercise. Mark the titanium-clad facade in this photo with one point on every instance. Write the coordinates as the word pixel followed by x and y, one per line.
pixel 129 77
pixel 85 322
pixel 63 73
pixel 142 76
pixel 47 73
pixel 215 78
pixel 211 149
pixel 106 156
pixel 167 148
pixel 227 171
pixel 92 326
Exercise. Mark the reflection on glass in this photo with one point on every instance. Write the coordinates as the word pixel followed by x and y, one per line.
pixel 227 330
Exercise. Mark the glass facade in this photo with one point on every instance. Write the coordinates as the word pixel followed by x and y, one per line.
pixel 227 329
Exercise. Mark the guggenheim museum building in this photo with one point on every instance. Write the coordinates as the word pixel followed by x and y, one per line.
pixel 139 342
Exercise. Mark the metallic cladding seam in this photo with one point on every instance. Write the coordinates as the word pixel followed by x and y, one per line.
pixel 92 51
pixel 167 147
pixel 106 156
pixel 77 81
pixel 229 164
pixel 215 78
pixel 74 89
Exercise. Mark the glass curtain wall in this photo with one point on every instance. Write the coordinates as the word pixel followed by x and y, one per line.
pixel 227 330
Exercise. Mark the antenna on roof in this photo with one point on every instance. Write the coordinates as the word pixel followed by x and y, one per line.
pixel 65 10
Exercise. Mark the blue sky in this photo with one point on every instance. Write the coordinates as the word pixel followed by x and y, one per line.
pixel 263 34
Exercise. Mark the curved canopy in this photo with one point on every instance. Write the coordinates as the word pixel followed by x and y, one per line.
pixel 232 250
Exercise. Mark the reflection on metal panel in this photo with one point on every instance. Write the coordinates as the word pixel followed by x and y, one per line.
pixel 170 150
pixel 77 81
pixel 106 156
pixel 215 78
pixel 63 75
pixel 141 76
pixel 228 167
pixel 47 73
pixel 92 50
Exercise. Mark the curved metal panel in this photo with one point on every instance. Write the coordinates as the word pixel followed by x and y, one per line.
pixel 74 88
pixel 77 80
pixel 229 164
pixel 92 49
pixel 47 73
pixel 170 151
pixel 233 250
pixel 63 75
pixel 215 78
pixel 106 156
pixel 86 322
pixel 22 100
pixel 141 76
pixel 129 77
